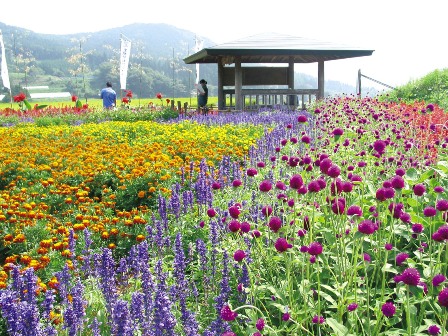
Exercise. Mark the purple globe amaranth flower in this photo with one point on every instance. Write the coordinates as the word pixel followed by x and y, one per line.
pixel 439 189
pixel 442 205
pixel 338 131
pixel 315 248
pixel 388 246
pixel 397 182
pixel 239 255
pixel 266 210
pixel 400 171
pixel 388 309
pixel 296 181
pixel 281 245
pixel 318 319
pixel 438 279
pixel 443 231
pixel 429 211
pixel 260 324
pixel 245 227
pixel 324 165
pixel 417 228
pixel 354 210
pixel 236 183
pixel 275 223
pixel 302 118
pixel 280 185
pixel 227 314
pixel 338 206
pixel 211 212
pixel 433 330
pixel 216 186
pixel 313 186
pixel 430 107
pixel 443 297
pixel 334 171
pixel 367 257
pixel 352 306
pixel 410 276
pixel 367 227
pixel 286 317
pixel 379 146
pixel 419 189
pixel 251 172
pixel 401 258
pixel 234 211
pixel 306 139
pixel 234 226
pixel 389 193
pixel 261 164
pixel 380 194
pixel 228 333
pixel 265 186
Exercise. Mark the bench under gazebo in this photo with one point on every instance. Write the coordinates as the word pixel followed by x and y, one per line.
pixel 243 63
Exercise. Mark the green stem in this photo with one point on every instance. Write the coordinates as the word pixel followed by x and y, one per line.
pixel 408 312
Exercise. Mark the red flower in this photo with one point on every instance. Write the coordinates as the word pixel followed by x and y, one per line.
pixel 168 100
pixel 125 100
pixel 159 96
pixel 129 94
pixel 20 97
pixel 74 98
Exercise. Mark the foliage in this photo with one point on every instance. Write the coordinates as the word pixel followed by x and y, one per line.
pixel 432 88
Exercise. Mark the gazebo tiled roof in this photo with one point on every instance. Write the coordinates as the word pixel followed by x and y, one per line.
pixel 277 48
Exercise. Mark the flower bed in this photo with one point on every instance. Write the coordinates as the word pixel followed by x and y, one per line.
pixel 331 221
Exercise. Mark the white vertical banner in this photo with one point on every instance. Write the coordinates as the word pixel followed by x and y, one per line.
pixel 197 47
pixel 4 68
pixel 124 60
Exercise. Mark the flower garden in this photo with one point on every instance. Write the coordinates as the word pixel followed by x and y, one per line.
pixel 330 221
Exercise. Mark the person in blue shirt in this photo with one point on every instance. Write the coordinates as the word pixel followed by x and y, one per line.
pixel 109 96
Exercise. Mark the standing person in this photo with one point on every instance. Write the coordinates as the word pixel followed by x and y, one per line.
pixel 203 96
pixel 109 96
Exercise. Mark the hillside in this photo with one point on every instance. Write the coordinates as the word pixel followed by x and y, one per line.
pixel 82 63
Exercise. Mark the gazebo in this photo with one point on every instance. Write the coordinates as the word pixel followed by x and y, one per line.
pixel 243 63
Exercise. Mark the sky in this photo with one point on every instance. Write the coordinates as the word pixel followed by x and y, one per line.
pixel 408 37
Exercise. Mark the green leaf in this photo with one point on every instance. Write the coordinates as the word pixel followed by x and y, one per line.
pixel 41 106
pixel 412 174
pixel 412 202
pixel 27 104
pixel 339 329
pixel 78 104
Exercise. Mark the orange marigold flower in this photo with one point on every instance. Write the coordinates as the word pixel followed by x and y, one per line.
pixel 105 235
pixel 111 246
pixel 20 238
pixel 114 231
pixel 8 237
pixel 141 194
pixel 3 285
pixel 140 238
pixel 55 318
pixel 46 243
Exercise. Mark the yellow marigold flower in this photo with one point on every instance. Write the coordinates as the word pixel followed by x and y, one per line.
pixel 105 235
pixel 114 231
pixel 111 246
pixel 140 238
pixel 3 284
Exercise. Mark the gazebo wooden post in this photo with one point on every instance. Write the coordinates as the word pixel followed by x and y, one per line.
pixel 238 84
pixel 221 97
pixel 291 99
pixel 320 80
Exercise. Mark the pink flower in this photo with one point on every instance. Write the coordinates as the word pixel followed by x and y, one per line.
pixel 265 186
